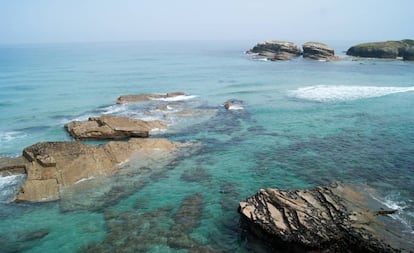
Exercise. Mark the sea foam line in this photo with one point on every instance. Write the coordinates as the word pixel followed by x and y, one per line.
pixel 9 186
pixel 11 135
pixel 400 206
pixel 334 93
pixel 176 98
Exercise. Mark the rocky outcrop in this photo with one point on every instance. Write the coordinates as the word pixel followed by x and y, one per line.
pixel 53 166
pixel 147 97
pixel 408 54
pixel 112 127
pixel 318 51
pixel 386 49
pixel 276 50
pixel 323 219
pixel 234 105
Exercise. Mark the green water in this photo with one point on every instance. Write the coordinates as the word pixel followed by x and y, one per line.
pixel 279 140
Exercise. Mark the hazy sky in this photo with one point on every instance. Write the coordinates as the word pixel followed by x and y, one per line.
pixel 27 21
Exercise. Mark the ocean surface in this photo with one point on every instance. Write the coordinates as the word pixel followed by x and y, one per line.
pixel 302 123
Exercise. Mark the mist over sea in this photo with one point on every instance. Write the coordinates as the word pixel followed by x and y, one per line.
pixel 304 123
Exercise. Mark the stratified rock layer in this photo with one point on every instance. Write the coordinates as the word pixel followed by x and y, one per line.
pixel 277 50
pixel 112 127
pixel 322 219
pixel 318 51
pixel 53 166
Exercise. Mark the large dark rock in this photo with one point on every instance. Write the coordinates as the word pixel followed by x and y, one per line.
pixel 318 51
pixel 386 49
pixel 408 54
pixel 322 219
pixel 112 127
pixel 276 50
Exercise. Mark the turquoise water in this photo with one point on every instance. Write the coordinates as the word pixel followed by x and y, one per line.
pixel 304 123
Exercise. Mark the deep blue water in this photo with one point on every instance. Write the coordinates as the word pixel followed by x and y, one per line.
pixel 305 123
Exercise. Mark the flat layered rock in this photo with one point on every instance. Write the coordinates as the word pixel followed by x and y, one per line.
pixel 318 51
pixel 147 97
pixel 54 166
pixel 112 127
pixel 276 50
pixel 322 219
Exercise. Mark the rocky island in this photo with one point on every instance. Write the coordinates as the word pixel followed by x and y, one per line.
pixel 332 218
pixel 384 50
pixel 276 50
pixel 318 51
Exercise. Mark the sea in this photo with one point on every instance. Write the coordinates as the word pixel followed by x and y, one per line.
pixel 298 124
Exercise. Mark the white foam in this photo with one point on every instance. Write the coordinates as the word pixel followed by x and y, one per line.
pixel 392 203
pixel 235 107
pixel 11 135
pixel 112 109
pixel 175 98
pixel 9 186
pixel 84 179
pixel 334 93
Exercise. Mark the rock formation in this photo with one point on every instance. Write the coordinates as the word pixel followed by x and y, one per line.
pixel 323 219
pixel 112 127
pixel 147 97
pixel 408 54
pixel 387 49
pixel 318 51
pixel 53 166
pixel 234 105
pixel 276 50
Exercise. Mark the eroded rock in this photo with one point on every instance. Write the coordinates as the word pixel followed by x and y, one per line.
pixel 51 167
pixel 276 50
pixel 330 219
pixel 318 51
pixel 112 127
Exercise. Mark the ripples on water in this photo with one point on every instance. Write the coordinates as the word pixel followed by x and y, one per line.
pixel 304 123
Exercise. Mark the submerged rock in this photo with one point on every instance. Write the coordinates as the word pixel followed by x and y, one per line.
pixel 33 235
pixel 386 49
pixel 112 127
pixel 147 97
pixel 276 50
pixel 139 231
pixel 318 51
pixel 322 219
pixel 51 167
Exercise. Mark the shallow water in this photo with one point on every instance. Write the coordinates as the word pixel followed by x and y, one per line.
pixel 304 123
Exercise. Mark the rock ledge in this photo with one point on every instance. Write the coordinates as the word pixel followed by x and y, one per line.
pixel 321 219
pixel 112 127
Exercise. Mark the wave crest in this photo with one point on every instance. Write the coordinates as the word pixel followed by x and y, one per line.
pixel 335 93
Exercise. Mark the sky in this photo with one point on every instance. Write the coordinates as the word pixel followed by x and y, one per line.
pixel 49 21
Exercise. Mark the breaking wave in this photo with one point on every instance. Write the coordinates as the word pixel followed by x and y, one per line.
pixel 403 215
pixel 176 98
pixel 328 93
pixel 11 135
pixel 9 186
